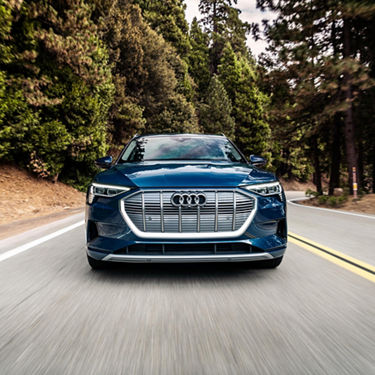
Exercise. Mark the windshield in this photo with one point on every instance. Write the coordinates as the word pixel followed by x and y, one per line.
pixel 181 148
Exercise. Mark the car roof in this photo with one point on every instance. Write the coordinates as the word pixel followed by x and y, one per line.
pixel 181 135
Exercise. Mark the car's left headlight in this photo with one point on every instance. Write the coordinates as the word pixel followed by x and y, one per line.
pixel 102 190
pixel 271 188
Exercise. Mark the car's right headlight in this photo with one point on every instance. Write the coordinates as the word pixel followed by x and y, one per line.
pixel 102 190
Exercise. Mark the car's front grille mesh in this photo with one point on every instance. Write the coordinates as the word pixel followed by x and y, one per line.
pixel 224 211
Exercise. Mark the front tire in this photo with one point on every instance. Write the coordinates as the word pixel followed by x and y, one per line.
pixel 267 264
pixel 96 264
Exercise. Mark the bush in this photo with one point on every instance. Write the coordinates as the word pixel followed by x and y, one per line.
pixel 332 201
pixel 342 199
pixel 322 199
pixel 311 193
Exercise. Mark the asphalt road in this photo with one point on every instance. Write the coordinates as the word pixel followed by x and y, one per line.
pixel 309 316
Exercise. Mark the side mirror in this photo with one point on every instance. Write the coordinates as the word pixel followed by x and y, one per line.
pixel 257 161
pixel 104 163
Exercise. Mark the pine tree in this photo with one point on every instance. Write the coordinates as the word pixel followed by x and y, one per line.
pixel 215 112
pixel 239 78
pixel 198 57
pixel 167 18
pixel 215 15
pixel 153 81
pixel 122 29
pixel 317 45
pixel 224 25
pixel 59 89
pixel 253 132
pixel 236 32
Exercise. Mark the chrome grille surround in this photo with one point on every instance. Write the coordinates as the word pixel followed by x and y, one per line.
pixel 150 214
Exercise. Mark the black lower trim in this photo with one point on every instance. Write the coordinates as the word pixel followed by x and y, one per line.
pixel 189 249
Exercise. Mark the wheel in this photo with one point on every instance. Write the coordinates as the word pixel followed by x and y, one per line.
pixel 96 264
pixel 269 263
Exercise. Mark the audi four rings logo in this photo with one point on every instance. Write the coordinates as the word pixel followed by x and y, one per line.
pixel 188 199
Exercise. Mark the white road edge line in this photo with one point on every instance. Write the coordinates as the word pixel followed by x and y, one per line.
pixel 28 246
pixel 291 201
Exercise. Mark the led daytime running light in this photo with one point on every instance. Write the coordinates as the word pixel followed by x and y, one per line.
pixel 108 191
pixel 267 189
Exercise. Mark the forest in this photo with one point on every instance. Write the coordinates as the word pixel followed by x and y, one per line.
pixel 79 78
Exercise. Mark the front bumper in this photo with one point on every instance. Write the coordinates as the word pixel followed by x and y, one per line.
pixel 109 238
pixel 186 258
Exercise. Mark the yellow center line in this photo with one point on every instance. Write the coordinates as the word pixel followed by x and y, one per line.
pixel 351 264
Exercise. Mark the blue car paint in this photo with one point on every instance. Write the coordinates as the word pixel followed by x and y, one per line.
pixel 261 233
pixel 183 174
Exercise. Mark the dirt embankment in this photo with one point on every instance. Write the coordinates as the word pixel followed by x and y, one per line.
pixel 365 205
pixel 294 185
pixel 22 196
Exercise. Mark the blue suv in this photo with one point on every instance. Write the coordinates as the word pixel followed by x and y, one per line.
pixel 185 198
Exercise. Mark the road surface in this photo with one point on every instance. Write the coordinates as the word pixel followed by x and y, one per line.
pixel 315 314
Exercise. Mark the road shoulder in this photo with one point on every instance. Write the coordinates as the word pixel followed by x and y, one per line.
pixel 21 226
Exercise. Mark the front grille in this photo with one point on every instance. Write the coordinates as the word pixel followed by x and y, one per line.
pixel 224 211
pixel 186 249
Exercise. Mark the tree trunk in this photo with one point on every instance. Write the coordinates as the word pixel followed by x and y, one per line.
pixel 317 174
pixel 335 159
pixel 214 59
pixel 360 173
pixel 351 152
pixel 334 175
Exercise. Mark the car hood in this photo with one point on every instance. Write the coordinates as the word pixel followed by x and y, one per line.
pixel 202 174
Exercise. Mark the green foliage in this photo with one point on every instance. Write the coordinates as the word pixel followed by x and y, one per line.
pixel 337 201
pixel 123 31
pixel 323 199
pixel 320 72
pixel 332 200
pixel 5 27
pixel 236 32
pixel 177 115
pixel 167 17
pixel 58 89
pixel 224 26
pixel 80 77
pixel 215 18
pixel 239 78
pixel 215 112
pixel 164 96
pixel 311 193
pixel 199 57
pixel 342 199
pixel 16 122
pixel 47 143
pixel 152 82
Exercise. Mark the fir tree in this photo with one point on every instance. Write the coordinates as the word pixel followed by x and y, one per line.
pixel 215 112
pixel 61 87
pixel 317 45
pixel 198 57
pixel 224 25
pixel 152 79
pixel 167 17
pixel 239 78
